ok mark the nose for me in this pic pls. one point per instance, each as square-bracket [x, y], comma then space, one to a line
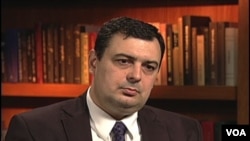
[134, 74]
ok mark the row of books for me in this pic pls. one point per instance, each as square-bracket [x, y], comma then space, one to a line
[199, 51]
[48, 53]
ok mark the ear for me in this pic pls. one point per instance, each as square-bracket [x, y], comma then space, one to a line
[92, 61]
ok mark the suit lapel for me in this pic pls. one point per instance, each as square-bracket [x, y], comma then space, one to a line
[75, 119]
[151, 128]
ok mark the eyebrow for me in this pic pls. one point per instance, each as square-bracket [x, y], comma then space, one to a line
[133, 58]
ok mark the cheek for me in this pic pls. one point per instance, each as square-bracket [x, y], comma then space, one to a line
[111, 74]
[149, 82]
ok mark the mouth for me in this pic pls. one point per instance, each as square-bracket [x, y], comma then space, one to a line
[130, 91]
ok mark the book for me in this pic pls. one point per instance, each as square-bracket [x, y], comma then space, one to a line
[221, 50]
[186, 23]
[77, 54]
[200, 59]
[69, 53]
[61, 59]
[213, 43]
[202, 56]
[180, 55]
[3, 57]
[169, 53]
[84, 47]
[176, 57]
[12, 40]
[56, 53]
[49, 44]
[194, 55]
[32, 74]
[231, 57]
[208, 130]
[23, 57]
[44, 52]
[39, 52]
[88, 34]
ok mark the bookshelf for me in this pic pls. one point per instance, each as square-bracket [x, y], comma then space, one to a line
[207, 102]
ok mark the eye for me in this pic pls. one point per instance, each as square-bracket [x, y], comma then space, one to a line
[150, 68]
[123, 62]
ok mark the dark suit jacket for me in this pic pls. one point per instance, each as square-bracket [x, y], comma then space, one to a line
[69, 121]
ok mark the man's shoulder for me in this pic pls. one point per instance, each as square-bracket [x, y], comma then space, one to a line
[169, 117]
[51, 109]
[177, 126]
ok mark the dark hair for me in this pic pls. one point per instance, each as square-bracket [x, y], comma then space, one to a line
[128, 27]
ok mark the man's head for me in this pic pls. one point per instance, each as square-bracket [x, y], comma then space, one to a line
[128, 27]
[125, 63]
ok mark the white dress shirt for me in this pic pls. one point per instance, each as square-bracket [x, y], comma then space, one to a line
[102, 123]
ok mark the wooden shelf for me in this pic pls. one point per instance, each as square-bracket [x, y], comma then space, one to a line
[194, 92]
[42, 90]
[159, 92]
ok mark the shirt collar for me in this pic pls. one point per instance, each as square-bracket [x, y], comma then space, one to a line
[102, 123]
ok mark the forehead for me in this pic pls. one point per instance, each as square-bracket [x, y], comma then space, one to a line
[135, 47]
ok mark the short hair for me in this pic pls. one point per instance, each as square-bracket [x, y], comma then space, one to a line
[130, 28]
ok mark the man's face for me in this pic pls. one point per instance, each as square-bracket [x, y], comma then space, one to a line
[125, 75]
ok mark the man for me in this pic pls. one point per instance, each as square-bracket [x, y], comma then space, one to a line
[125, 62]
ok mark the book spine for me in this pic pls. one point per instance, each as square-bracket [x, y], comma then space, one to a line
[231, 50]
[213, 53]
[61, 41]
[24, 56]
[176, 50]
[20, 58]
[221, 53]
[39, 53]
[187, 62]
[77, 55]
[207, 62]
[50, 53]
[181, 51]
[169, 52]
[56, 53]
[69, 53]
[3, 57]
[12, 39]
[200, 60]
[221, 50]
[84, 43]
[208, 130]
[29, 55]
[194, 55]
[33, 57]
[44, 52]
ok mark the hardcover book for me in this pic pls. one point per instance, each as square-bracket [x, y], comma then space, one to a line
[12, 42]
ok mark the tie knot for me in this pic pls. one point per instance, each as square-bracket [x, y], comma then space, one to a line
[119, 130]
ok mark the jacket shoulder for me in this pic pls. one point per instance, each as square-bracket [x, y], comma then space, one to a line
[178, 126]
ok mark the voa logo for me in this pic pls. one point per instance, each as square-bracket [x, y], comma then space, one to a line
[236, 132]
